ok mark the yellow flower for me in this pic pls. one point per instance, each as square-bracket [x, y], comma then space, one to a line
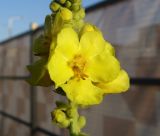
[86, 68]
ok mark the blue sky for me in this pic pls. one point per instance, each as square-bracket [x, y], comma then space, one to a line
[29, 10]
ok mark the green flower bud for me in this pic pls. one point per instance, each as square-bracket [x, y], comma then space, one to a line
[76, 16]
[82, 13]
[72, 112]
[62, 1]
[65, 123]
[75, 7]
[66, 14]
[60, 118]
[79, 24]
[68, 4]
[81, 121]
[54, 6]
[87, 28]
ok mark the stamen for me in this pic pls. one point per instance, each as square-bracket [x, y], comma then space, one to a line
[78, 64]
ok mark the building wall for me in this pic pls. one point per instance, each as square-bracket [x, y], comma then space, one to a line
[133, 27]
[14, 93]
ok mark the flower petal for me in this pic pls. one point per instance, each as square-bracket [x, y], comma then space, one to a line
[67, 42]
[58, 68]
[120, 84]
[83, 92]
[91, 44]
[109, 48]
[103, 67]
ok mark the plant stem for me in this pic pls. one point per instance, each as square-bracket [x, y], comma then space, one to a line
[74, 127]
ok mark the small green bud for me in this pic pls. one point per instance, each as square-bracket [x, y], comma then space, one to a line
[79, 24]
[68, 4]
[65, 123]
[66, 14]
[62, 1]
[87, 28]
[60, 118]
[54, 6]
[72, 112]
[82, 13]
[81, 121]
[76, 16]
[75, 7]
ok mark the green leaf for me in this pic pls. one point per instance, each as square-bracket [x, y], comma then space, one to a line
[61, 105]
[58, 24]
[48, 26]
[39, 73]
[41, 46]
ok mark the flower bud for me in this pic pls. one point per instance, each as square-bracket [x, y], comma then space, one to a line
[68, 4]
[82, 13]
[60, 118]
[75, 7]
[87, 28]
[66, 14]
[76, 16]
[62, 1]
[80, 23]
[54, 6]
[65, 123]
[81, 121]
[71, 112]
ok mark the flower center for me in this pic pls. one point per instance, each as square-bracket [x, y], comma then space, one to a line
[78, 64]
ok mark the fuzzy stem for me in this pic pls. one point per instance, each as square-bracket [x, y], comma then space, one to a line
[74, 127]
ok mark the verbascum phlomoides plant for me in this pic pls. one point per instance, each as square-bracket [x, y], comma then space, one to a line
[77, 61]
